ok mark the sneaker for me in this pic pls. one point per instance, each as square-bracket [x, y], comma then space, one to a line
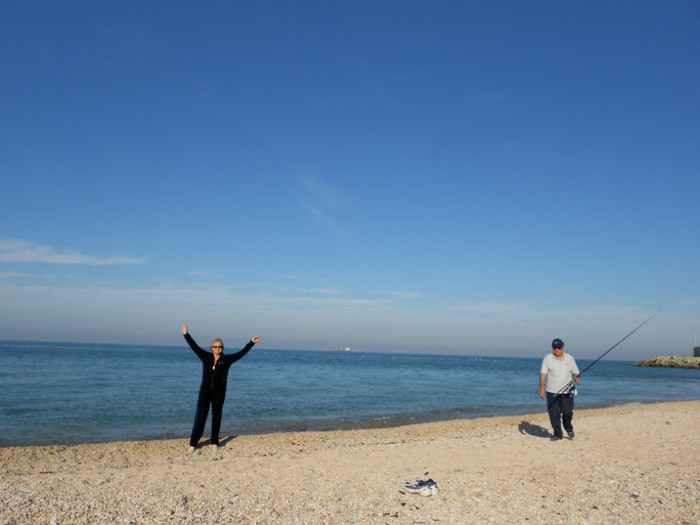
[215, 448]
[571, 434]
[191, 450]
[416, 484]
[423, 487]
[556, 438]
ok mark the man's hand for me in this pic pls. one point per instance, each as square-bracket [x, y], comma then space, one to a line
[184, 329]
[256, 339]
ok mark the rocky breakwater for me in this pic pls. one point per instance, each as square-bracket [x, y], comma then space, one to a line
[671, 362]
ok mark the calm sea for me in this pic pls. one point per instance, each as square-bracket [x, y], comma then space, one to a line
[60, 393]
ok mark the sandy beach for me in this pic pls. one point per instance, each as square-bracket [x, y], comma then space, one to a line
[637, 464]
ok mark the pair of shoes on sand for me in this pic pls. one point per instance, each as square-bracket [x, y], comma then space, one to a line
[422, 487]
[558, 438]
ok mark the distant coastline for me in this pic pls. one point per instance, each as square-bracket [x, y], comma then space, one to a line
[671, 362]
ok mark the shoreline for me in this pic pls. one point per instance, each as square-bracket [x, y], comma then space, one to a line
[400, 422]
[627, 464]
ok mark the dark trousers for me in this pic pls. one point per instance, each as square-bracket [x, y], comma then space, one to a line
[561, 410]
[216, 400]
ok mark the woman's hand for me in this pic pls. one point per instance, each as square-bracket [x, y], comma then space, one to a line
[184, 329]
[256, 339]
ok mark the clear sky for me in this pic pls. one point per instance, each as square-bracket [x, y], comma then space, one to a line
[437, 177]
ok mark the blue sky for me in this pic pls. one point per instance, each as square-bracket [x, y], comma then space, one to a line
[448, 177]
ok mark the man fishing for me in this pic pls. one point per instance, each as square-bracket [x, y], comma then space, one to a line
[559, 371]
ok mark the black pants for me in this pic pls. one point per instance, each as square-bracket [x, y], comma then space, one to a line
[561, 410]
[216, 400]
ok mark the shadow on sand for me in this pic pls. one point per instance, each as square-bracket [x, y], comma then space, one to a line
[222, 441]
[533, 430]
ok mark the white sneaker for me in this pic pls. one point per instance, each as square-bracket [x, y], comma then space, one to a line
[215, 448]
[191, 450]
[423, 487]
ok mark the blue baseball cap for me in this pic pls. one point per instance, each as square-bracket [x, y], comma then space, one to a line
[557, 343]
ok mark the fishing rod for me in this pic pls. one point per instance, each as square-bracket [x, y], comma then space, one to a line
[570, 387]
[620, 341]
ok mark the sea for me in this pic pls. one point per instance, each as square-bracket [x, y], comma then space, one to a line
[75, 393]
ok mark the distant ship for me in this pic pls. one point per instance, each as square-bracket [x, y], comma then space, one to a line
[339, 349]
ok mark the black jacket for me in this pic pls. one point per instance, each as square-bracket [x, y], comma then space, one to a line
[214, 377]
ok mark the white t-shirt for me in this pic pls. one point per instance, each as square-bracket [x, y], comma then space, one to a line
[559, 372]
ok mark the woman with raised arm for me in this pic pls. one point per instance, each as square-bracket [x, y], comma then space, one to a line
[215, 366]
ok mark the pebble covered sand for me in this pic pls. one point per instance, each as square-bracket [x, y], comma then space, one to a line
[637, 464]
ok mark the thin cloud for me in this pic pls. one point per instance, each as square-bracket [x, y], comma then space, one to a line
[324, 219]
[331, 291]
[403, 295]
[321, 200]
[13, 251]
[208, 275]
[103, 313]
[322, 192]
[18, 274]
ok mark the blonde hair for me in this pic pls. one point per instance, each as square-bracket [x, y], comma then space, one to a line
[215, 341]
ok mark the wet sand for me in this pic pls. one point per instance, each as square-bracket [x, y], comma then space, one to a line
[637, 464]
